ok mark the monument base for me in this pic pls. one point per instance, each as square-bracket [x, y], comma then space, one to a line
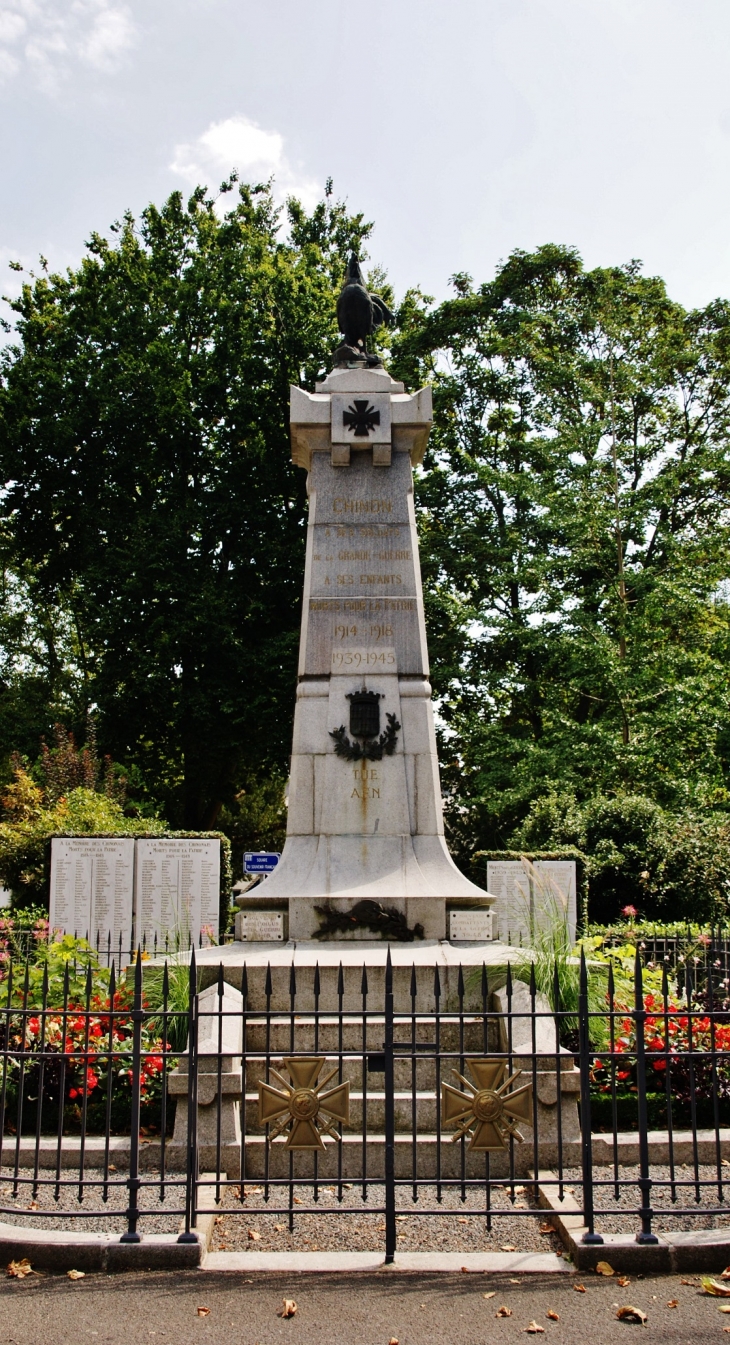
[346, 964]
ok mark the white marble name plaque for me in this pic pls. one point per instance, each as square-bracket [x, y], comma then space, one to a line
[92, 888]
[262, 927]
[177, 891]
[470, 926]
[532, 897]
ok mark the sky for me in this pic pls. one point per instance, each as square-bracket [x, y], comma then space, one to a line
[462, 128]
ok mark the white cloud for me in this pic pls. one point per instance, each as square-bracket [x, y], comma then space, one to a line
[112, 33]
[256, 154]
[12, 26]
[49, 38]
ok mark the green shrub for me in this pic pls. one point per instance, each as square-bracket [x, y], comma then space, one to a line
[31, 821]
[670, 866]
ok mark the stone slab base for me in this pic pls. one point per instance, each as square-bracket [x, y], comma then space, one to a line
[425, 955]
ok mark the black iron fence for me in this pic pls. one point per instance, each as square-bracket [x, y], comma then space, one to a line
[398, 1089]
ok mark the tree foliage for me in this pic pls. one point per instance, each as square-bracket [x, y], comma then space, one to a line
[574, 523]
[152, 523]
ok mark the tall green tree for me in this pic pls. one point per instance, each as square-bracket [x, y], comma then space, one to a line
[149, 496]
[574, 513]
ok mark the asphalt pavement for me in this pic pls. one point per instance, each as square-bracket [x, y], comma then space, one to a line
[154, 1309]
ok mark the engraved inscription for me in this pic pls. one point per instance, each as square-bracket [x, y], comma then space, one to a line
[342, 505]
[353, 660]
[365, 787]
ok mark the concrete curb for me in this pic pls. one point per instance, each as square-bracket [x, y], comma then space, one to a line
[47, 1250]
[707, 1250]
[422, 1263]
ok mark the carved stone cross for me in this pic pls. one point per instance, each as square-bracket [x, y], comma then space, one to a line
[361, 418]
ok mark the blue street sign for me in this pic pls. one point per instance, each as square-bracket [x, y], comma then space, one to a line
[259, 861]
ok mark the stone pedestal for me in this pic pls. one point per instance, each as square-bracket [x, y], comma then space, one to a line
[220, 1039]
[365, 855]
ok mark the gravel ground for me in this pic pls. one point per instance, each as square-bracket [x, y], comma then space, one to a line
[68, 1202]
[362, 1231]
[515, 1225]
[604, 1198]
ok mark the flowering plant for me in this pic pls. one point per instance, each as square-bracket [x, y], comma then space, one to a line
[94, 1047]
[71, 1031]
[680, 1042]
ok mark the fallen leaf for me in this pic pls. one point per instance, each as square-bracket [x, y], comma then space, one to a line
[203, 1312]
[534, 1330]
[723, 1307]
[288, 1308]
[687, 1281]
[631, 1314]
[465, 1270]
[298, 1200]
[514, 1281]
[726, 1273]
[726, 1329]
[112, 1168]
[492, 1294]
[603, 1268]
[623, 1280]
[503, 1312]
[393, 1341]
[459, 1221]
[554, 1316]
[508, 1247]
[673, 1303]
[280, 1228]
[546, 1228]
[579, 1288]
[714, 1287]
[19, 1269]
[254, 1235]
[76, 1274]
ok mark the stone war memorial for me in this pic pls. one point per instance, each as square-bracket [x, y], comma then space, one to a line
[365, 874]
[365, 864]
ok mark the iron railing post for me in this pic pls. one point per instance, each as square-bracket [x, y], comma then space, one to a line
[390, 1227]
[586, 1139]
[645, 1213]
[133, 1181]
[191, 1165]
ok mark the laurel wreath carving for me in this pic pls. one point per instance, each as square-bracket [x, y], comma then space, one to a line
[367, 751]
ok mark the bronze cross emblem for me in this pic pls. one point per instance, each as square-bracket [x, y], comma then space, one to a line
[361, 418]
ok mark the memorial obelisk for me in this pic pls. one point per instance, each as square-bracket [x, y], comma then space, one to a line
[365, 855]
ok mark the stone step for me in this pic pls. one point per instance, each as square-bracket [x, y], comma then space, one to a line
[426, 1111]
[278, 959]
[354, 1153]
[352, 1070]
